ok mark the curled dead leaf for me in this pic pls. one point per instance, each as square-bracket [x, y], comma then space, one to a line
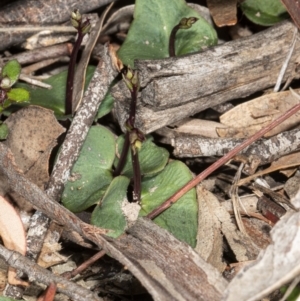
[13, 235]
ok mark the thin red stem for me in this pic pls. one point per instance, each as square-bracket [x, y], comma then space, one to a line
[71, 74]
[175, 197]
[137, 177]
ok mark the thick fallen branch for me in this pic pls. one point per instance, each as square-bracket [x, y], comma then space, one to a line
[175, 88]
[267, 150]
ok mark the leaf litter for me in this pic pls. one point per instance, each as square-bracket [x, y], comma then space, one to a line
[33, 133]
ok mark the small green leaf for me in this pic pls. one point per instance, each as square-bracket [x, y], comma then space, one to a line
[91, 173]
[12, 70]
[181, 219]
[53, 99]
[105, 106]
[3, 131]
[148, 36]
[294, 295]
[109, 213]
[266, 12]
[18, 95]
[151, 157]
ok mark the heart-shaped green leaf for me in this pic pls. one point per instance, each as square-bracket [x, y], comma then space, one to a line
[266, 12]
[53, 99]
[91, 173]
[3, 131]
[181, 218]
[152, 158]
[18, 95]
[105, 106]
[12, 70]
[148, 36]
[109, 212]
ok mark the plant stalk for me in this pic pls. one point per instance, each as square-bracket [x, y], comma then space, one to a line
[185, 23]
[137, 177]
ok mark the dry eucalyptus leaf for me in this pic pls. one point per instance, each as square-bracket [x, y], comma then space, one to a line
[12, 234]
[32, 135]
[205, 128]
[246, 119]
[275, 266]
[209, 238]
[223, 12]
[241, 245]
[49, 255]
[258, 230]
[31, 131]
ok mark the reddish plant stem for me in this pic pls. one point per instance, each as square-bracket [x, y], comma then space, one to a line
[137, 177]
[71, 74]
[175, 197]
[131, 119]
[172, 40]
[83, 266]
[129, 125]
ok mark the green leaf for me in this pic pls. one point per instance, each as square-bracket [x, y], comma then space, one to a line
[91, 173]
[266, 12]
[151, 157]
[3, 131]
[53, 99]
[18, 95]
[181, 218]
[105, 106]
[148, 36]
[294, 295]
[12, 70]
[109, 214]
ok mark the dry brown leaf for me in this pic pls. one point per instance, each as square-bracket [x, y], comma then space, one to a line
[223, 12]
[246, 119]
[12, 234]
[200, 127]
[209, 238]
[284, 162]
[258, 230]
[32, 135]
[276, 266]
[49, 255]
[241, 245]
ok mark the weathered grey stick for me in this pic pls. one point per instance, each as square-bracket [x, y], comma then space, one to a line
[41, 275]
[267, 150]
[175, 88]
[69, 153]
